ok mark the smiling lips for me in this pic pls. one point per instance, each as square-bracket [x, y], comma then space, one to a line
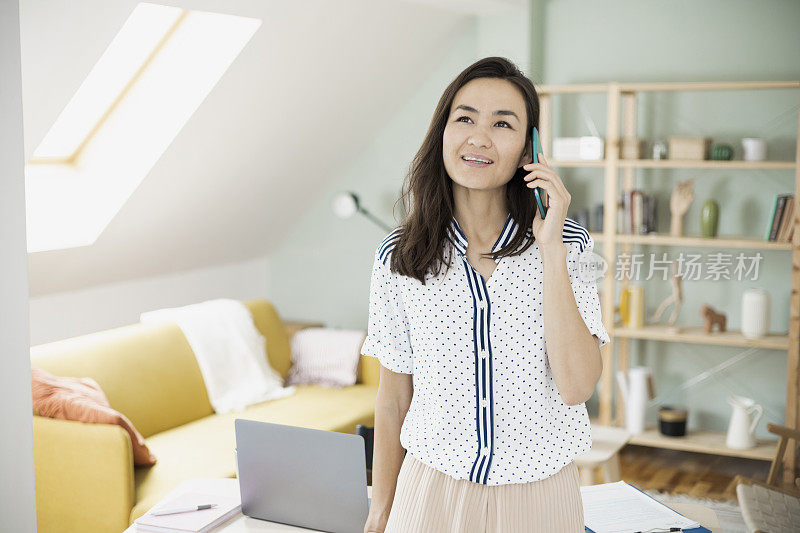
[475, 160]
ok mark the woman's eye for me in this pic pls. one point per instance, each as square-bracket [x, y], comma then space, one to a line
[501, 122]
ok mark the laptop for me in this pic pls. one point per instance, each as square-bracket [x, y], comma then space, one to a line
[302, 477]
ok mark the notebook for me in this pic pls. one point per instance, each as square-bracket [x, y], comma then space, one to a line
[622, 508]
[193, 521]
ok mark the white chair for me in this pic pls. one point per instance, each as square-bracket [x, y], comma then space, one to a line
[607, 441]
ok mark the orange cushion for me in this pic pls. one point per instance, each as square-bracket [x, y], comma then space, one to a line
[83, 400]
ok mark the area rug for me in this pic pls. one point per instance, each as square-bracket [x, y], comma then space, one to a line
[728, 513]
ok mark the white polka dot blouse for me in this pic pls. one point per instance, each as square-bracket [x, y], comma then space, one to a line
[485, 406]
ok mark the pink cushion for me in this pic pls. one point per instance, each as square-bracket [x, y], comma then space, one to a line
[83, 400]
[325, 356]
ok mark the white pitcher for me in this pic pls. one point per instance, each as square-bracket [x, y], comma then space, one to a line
[741, 431]
[637, 389]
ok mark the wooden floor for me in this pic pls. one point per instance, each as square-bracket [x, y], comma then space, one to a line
[679, 472]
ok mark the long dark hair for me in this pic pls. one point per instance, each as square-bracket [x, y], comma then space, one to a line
[427, 192]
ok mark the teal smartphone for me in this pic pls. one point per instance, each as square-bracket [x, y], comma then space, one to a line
[539, 193]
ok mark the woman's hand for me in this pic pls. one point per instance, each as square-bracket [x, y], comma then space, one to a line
[548, 231]
[375, 524]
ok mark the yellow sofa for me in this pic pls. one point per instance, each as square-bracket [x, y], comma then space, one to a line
[85, 477]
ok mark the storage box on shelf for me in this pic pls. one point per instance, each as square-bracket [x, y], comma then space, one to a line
[689, 148]
[621, 123]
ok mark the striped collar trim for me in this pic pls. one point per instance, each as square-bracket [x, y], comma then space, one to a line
[506, 234]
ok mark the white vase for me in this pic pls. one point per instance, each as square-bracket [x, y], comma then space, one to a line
[755, 149]
[755, 313]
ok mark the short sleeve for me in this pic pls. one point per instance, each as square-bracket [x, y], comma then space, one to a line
[387, 331]
[585, 288]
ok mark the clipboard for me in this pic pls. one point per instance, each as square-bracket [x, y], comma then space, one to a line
[699, 529]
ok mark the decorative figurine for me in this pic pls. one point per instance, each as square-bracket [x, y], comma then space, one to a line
[712, 318]
[675, 298]
[660, 150]
[682, 196]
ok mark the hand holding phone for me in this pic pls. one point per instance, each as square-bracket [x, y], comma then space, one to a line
[538, 192]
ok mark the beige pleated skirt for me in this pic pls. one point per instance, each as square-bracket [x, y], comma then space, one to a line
[429, 501]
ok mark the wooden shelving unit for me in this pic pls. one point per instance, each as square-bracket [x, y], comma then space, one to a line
[696, 335]
[622, 97]
[702, 441]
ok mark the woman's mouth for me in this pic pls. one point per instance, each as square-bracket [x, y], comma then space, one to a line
[474, 160]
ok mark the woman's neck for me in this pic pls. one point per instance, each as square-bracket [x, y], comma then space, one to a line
[482, 222]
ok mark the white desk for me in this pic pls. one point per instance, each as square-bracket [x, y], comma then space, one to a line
[241, 523]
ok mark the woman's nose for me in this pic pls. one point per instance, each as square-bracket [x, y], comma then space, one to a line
[480, 140]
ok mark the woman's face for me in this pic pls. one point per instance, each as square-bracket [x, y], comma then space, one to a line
[488, 121]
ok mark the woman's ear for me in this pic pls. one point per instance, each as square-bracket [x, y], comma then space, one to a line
[527, 156]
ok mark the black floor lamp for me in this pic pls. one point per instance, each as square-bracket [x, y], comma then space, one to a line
[346, 204]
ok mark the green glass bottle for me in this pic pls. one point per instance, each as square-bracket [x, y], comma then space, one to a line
[709, 217]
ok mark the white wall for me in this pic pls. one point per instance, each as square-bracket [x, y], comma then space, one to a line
[68, 314]
[17, 496]
[321, 270]
[262, 146]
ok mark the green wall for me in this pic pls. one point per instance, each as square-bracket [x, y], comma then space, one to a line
[322, 269]
[691, 41]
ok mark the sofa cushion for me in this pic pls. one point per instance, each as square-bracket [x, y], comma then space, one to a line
[205, 447]
[82, 400]
[325, 356]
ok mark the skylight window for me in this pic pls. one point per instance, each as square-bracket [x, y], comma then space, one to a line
[139, 39]
[152, 77]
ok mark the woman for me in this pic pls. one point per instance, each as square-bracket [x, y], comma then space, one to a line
[486, 365]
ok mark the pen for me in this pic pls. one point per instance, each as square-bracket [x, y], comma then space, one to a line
[185, 509]
[660, 529]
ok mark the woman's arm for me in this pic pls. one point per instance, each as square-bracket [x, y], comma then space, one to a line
[573, 352]
[395, 391]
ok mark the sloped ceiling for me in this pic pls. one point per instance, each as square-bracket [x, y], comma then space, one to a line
[315, 83]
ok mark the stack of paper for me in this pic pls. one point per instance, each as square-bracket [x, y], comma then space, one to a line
[622, 508]
[192, 521]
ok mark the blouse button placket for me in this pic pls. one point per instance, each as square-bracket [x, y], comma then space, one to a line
[480, 294]
[482, 304]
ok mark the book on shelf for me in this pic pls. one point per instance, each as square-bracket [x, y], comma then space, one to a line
[192, 521]
[785, 229]
[637, 213]
[781, 227]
